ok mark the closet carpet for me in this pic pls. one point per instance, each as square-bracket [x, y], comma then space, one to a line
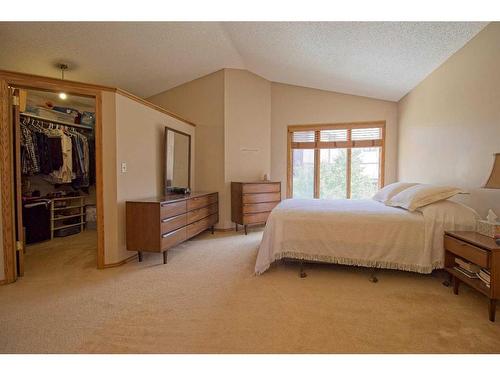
[207, 300]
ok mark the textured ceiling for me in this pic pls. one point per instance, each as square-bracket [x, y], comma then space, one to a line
[377, 59]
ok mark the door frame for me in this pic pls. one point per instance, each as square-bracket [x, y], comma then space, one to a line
[24, 81]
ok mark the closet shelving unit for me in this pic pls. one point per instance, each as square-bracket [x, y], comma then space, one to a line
[57, 207]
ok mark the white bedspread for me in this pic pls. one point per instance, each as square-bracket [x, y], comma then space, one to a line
[360, 232]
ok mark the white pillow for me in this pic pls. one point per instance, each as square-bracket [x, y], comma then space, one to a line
[387, 192]
[421, 195]
[453, 215]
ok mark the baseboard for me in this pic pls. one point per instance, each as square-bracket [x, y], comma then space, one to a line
[121, 262]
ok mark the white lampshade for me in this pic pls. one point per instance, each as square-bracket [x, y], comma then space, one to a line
[494, 180]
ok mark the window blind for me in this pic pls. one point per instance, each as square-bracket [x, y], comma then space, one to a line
[304, 136]
[337, 136]
[333, 135]
[365, 134]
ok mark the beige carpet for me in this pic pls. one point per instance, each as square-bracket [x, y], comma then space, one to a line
[207, 300]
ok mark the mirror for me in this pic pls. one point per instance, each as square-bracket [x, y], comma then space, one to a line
[177, 159]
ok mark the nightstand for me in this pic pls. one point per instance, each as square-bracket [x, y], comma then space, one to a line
[478, 249]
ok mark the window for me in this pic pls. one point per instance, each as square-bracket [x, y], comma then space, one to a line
[335, 161]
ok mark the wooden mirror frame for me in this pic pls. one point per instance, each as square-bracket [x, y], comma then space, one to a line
[165, 157]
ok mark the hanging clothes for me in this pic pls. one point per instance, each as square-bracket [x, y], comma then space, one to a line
[64, 174]
[60, 153]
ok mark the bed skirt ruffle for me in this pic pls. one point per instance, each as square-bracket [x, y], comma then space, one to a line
[426, 269]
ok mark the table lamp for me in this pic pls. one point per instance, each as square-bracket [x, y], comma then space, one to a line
[494, 180]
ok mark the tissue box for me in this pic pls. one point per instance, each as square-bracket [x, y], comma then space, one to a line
[488, 229]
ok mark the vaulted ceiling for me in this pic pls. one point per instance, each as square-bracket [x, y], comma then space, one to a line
[383, 60]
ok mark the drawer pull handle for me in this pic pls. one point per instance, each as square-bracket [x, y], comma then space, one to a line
[170, 218]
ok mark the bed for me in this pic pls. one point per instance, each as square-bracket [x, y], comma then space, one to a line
[361, 232]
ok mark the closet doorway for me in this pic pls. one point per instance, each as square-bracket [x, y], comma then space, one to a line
[56, 179]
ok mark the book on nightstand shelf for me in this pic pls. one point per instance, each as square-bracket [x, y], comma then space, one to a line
[469, 267]
[470, 275]
[485, 276]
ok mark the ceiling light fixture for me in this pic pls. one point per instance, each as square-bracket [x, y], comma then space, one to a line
[63, 67]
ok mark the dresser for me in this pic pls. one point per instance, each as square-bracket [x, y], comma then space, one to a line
[252, 202]
[158, 224]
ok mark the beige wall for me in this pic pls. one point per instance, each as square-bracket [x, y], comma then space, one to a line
[202, 102]
[231, 109]
[450, 123]
[294, 105]
[247, 129]
[109, 166]
[139, 143]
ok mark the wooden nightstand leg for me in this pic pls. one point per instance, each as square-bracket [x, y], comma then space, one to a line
[246, 229]
[165, 257]
[456, 283]
[236, 227]
[139, 255]
[493, 309]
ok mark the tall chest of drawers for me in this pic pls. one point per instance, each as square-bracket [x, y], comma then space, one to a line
[158, 224]
[252, 202]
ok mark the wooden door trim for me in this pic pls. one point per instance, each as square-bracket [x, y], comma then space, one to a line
[6, 184]
[99, 175]
[18, 204]
[6, 161]
[23, 80]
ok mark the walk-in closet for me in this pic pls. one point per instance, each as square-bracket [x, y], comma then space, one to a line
[55, 179]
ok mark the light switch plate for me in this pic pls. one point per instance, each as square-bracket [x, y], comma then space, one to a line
[124, 167]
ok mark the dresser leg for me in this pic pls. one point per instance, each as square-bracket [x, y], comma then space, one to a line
[456, 283]
[493, 309]
[246, 229]
[213, 229]
[165, 257]
[236, 227]
[139, 255]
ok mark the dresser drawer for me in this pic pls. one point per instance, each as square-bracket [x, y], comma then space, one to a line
[203, 201]
[467, 251]
[172, 209]
[261, 188]
[261, 198]
[172, 223]
[201, 213]
[173, 238]
[258, 207]
[255, 218]
[200, 225]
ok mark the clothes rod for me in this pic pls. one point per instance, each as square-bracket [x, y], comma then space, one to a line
[57, 121]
